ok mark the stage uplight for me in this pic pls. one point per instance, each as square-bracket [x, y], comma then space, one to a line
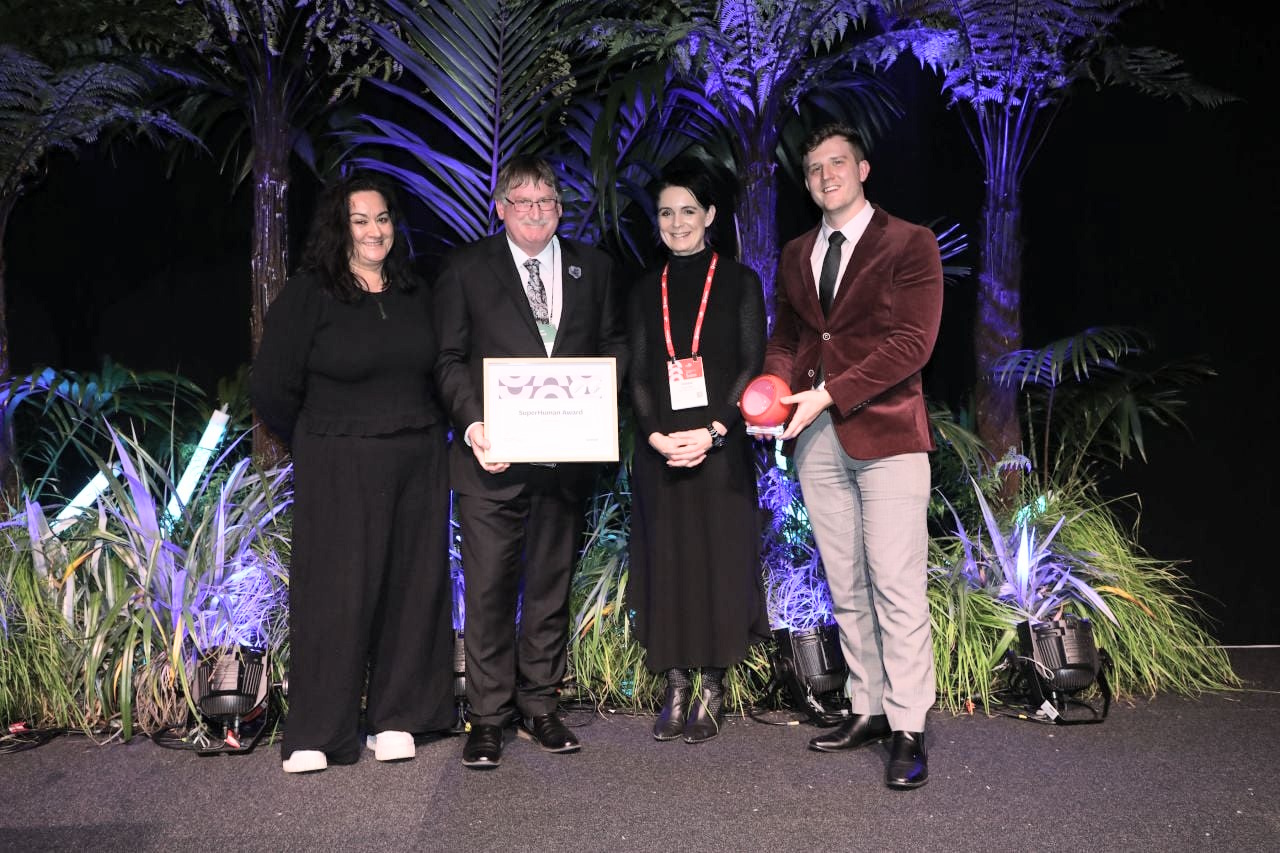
[234, 696]
[809, 672]
[1059, 659]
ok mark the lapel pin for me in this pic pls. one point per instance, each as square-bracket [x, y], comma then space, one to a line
[575, 271]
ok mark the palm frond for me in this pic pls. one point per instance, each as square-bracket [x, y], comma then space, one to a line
[1096, 348]
[485, 72]
[62, 418]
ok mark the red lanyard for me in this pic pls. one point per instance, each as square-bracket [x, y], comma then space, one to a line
[702, 309]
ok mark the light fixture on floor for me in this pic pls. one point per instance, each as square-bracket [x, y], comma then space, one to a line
[233, 695]
[809, 670]
[1059, 660]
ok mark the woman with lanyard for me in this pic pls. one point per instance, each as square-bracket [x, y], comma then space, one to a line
[697, 337]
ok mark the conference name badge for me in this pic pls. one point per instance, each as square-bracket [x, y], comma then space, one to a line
[688, 385]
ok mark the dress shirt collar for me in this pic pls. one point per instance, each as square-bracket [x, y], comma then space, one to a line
[546, 258]
[852, 230]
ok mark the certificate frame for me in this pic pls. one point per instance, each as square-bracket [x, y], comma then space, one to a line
[551, 409]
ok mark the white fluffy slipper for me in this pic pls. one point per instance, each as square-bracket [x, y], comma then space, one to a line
[391, 746]
[305, 761]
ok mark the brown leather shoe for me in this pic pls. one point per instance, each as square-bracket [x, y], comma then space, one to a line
[858, 730]
[549, 732]
[908, 764]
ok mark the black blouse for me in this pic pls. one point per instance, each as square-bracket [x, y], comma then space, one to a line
[333, 368]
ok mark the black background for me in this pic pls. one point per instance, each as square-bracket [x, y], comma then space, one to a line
[1137, 211]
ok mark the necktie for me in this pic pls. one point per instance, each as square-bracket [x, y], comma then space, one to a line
[830, 271]
[537, 293]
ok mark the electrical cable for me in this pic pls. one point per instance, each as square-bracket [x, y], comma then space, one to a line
[20, 739]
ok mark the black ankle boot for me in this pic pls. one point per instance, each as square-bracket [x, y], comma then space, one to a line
[708, 709]
[675, 706]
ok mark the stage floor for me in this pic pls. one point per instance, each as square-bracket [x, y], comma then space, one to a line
[1171, 773]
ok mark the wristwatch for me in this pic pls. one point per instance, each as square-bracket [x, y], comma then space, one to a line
[717, 437]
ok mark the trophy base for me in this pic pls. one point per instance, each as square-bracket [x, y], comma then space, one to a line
[766, 431]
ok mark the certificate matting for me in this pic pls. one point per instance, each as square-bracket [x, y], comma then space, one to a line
[551, 409]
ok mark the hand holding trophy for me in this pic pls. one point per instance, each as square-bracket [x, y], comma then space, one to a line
[761, 406]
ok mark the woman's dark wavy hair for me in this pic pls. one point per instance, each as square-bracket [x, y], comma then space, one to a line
[328, 249]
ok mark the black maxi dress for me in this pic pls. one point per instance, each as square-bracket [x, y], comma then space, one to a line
[349, 386]
[695, 581]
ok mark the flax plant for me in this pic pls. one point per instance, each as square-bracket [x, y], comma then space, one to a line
[971, 632]
[134, 593]
[1063, 552]
[102, 619]
[1159, 637]
[607, 662]
[60, 419]
[34, 639]
[234, 580]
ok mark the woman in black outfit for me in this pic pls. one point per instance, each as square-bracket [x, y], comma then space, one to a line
[695, 583]
[343, 374]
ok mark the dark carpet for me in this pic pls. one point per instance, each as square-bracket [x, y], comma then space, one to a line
[1169, 773]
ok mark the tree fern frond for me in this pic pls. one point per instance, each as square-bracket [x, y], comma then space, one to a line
[43, 110]
[1160, 74]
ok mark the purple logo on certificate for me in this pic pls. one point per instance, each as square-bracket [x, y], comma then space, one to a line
[556, 387]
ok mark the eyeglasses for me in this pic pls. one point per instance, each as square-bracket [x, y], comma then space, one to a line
[524, 205]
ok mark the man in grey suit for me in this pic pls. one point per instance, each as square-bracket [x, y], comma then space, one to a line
[859, 303]
[519, 294]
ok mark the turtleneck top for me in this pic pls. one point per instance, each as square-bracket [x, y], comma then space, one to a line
[731, 347]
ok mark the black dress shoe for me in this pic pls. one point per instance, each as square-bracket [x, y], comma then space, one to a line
[858, 730]
[675, 710]
[550, 733]
[705, 723]
[908, 764]
[484, 746]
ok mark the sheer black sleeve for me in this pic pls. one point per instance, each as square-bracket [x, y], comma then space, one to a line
[751, 344]
[644, 402]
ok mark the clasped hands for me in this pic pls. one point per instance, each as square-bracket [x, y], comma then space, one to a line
[685, 448]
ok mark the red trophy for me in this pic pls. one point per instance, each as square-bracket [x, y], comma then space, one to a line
[761, 405]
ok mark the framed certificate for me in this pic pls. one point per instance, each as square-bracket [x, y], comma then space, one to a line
[551, 409]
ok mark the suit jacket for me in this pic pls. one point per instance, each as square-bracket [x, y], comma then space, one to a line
[482, 311]
[878, 336]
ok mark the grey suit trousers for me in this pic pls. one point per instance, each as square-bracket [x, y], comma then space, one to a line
[869, 521]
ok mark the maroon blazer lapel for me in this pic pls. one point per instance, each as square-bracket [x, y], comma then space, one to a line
[808, 301]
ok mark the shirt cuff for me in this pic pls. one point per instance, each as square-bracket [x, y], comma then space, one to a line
[466, 433]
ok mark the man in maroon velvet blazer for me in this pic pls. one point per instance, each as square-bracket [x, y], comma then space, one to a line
[852, 343]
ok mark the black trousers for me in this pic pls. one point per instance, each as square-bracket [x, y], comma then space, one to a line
[370, 599]
[517, 554]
